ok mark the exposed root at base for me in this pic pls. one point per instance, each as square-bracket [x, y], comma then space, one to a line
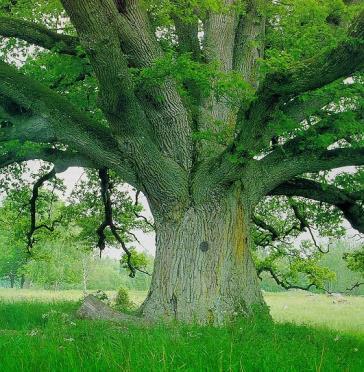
[94, 309]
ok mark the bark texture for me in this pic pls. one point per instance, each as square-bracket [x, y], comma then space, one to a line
[203, 268]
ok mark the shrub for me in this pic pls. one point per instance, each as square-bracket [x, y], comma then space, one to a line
[102, 296]
[122, 300]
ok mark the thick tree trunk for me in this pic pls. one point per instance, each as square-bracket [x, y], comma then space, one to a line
[203, 268]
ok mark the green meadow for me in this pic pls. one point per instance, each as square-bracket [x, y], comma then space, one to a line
[309, 333]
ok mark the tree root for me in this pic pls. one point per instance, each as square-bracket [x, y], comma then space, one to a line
[94, 309]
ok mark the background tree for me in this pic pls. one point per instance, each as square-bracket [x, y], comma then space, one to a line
[355, 262]
[207, 107]
[43, 240]
[12, 259]
[19, 231]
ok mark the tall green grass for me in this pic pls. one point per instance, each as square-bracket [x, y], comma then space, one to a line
[47, 337]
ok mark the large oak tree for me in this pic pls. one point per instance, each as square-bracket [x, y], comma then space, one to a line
[207, 107]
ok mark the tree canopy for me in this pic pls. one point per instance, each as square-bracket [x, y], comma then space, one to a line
[191, 101]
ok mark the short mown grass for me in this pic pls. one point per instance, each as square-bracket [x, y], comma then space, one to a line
[40, 336]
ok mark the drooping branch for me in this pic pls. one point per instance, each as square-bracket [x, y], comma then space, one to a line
[283, 282]
[38, 35]
[272, 234]
[356, 285]
[109, 222]
[33, 209]
[304, 225]
[137, 215]
[348, 203]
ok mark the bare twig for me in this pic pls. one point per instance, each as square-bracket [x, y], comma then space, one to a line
[356, 285]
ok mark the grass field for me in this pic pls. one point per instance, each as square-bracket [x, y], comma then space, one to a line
[296, 307]
[38, 332]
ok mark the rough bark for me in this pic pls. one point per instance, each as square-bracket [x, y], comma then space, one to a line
[249, 43]
[203, 268]
[216, 115]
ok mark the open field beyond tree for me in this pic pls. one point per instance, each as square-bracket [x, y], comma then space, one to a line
[338, 313]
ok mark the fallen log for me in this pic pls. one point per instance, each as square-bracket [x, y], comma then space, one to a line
[94, 309]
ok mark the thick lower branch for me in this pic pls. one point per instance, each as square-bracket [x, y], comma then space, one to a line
[348, 203]
[283, 165]
[60, 159]
[38, 35]
[35, 113]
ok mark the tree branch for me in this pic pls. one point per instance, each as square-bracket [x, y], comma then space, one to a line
[162, 102]
[281, 282]
[33, 208]
[137, 215]
[129, 41]
[356, 285]
[348, 203]
[280, 88]
[38, 35]
[60, 159]
[109, 222]
[263, 225]
[94, 21]
[97, 23]
[30, 111]
[187, 33]
[303, 155]
[249, 43]
[219, 35]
